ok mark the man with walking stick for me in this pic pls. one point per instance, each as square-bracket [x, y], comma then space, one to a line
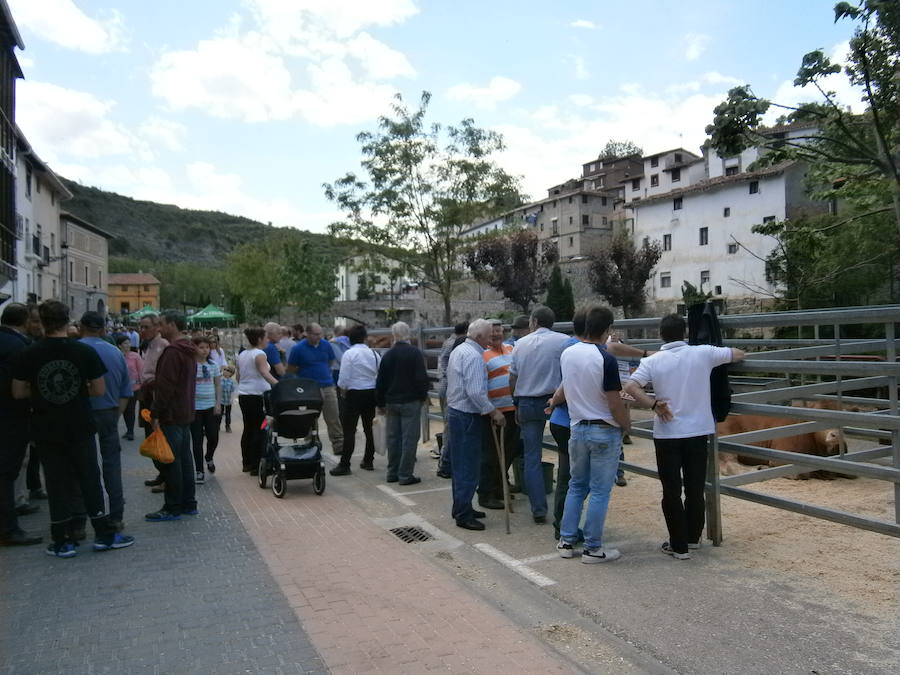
[467, 402]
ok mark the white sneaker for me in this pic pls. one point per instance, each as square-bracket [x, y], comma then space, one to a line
[201, 478]
[600, 555]
[693, 547]
[435, 454]
[565, 550]
[668, 550]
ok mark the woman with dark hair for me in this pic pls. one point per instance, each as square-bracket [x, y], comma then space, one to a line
[207, 408]
[254, 378]
[135, 367]
[359, 368]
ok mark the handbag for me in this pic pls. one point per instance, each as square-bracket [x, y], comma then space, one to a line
[156, 446]
[379, 434]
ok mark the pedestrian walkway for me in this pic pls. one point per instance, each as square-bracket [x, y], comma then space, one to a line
[192, 596]
[369, 603]
[252, 584]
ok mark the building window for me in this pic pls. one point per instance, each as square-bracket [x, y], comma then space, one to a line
[126, 306]
[677, 203]
[605, 220]
[554, 201]
[53, 243]
[554, 225]
[732, 249]
[53, 284]
[72, 302]
[678, 158]
[731, 170]
[542, 208]
[584, 199]
[676, 175]
[654, 180]
[726, 212]
[37, 184]
[571, 242]
[754, 187]
[99, 278]
[72, 275]
[718, 290]
[570, 220]
[28, 182]
[667, 242]
[86, 275]
[594, 166]
[542, 227]
[635, 184]
[704, 236]
[602, 201]
[704, 277]
[665, 280]
[585, 220]
[600, 182]
[769, 219]
[654, 161]
[570, 200]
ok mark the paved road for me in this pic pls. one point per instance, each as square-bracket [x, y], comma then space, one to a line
[193, 596]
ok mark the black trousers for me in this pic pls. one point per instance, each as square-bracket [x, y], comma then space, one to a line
[358, 404]
[128, 415]
[682, 462]
[253, 439]
[561, 435]
[205, 425]
[226, 413]
[72, 474]
[490, 479]
[13, 444]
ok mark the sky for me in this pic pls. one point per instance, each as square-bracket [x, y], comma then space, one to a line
[249, 106]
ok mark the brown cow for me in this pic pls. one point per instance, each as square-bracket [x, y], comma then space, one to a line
[823, 443]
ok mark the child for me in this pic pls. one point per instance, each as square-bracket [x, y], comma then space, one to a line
[135, 367]
[227, 396]
[207, 409]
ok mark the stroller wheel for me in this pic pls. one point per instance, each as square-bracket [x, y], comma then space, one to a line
[279, 483]
[263, 473]
[319, 481]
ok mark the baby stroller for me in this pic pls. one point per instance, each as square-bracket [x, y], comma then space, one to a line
[292, 413]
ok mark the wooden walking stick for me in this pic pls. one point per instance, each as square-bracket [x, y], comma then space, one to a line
[500, 446]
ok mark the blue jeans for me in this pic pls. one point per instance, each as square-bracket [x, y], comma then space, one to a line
[180, 478]
[594, 456]
[532, 419]
[465, 457]
[403, 428]
[107, 424]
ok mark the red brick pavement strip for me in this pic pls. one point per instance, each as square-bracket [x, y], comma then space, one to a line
[377, 607]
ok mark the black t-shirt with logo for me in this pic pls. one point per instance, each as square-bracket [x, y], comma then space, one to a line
[58, 370]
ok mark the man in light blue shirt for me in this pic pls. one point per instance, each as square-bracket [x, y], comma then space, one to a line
[534, 377]
[107, 409]
[467, 402]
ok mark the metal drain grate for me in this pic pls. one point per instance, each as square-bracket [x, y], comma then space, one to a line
[411, 534]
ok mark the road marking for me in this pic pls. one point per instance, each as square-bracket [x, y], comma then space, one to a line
[419, 492]
[539, 558]
[396, 495]
[517, 566]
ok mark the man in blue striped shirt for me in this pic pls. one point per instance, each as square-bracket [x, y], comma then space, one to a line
[467, 402]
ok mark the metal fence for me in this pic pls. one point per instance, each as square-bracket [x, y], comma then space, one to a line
[775, 373]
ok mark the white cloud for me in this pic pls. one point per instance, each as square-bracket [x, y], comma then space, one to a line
[694, 45]
[715, 77]
[578, 65]
[497, 90]
[26, 62]
[712, 78]
[59, 121]
[581, 99]
[63, 23]
[583, 23]
[298, 58]
[166, 133]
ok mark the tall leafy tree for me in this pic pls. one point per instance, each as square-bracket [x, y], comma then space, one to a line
[517, 264]
[620, 273]
[567, 311]
[424, 184]
[619, 149]
[555, 292]
[853, 158]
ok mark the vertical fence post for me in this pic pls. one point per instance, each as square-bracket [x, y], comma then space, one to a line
[840, 400]
[426, 422]
[713, 496]
[891, 354]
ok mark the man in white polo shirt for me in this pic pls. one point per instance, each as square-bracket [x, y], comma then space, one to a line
[680, 376]
[590, 387]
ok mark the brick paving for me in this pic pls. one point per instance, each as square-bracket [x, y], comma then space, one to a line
[193, 596]
[369, 603]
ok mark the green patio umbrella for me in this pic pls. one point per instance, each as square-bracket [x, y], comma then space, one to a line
[139, 314]
[210, 315]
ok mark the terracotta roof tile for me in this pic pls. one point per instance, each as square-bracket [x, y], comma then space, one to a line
[136, 278]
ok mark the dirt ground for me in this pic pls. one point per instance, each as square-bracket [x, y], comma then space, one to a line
[861, 569]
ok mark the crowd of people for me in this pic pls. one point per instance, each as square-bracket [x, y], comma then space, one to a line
[62, 395]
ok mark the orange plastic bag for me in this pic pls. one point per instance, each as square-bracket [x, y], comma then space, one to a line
[155, 446]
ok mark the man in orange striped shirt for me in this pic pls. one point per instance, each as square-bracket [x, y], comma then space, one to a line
[497, 358]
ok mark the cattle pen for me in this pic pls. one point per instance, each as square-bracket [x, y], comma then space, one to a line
[856, 378]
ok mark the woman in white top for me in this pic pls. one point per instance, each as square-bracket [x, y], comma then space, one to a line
[253, 378]
[216, 353]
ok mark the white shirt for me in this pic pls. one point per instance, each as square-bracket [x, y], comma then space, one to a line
[535, 362]
[467, 380]
[217, 356]
[680, 376]
[252, 383]
[359, 368]
[587, 374]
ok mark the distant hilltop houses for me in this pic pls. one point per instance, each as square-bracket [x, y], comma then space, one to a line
[700, 207]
